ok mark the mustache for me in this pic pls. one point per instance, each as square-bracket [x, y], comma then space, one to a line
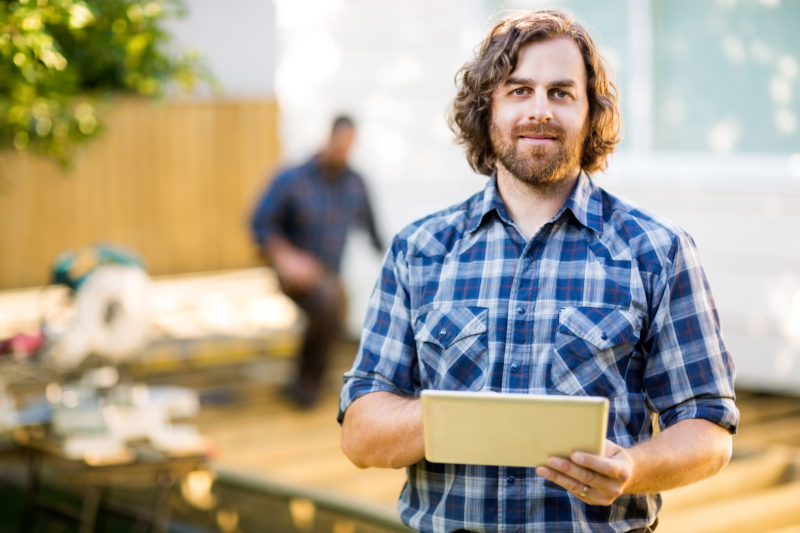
[549, 130]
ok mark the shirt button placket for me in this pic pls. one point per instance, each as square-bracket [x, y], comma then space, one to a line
[511, 488]
[516, 378]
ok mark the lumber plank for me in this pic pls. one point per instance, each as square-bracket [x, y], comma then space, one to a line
[780, 431]
[769, 509]
[745, 475]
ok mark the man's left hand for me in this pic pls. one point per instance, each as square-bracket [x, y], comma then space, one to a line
[595, 479]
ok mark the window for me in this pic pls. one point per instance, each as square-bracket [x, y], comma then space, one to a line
[717, 76]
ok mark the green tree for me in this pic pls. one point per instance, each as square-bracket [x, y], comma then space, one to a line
[59, 58]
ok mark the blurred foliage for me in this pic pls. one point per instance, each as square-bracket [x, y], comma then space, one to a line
[59, 58]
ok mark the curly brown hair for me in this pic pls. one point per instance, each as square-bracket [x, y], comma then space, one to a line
[470, 115]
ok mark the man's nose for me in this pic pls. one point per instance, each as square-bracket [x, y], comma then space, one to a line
[539, 107]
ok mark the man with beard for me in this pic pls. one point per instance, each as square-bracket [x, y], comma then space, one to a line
[543, 283]
[301, 224]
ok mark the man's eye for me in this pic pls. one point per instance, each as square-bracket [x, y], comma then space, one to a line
[561, 95]
[520, 91]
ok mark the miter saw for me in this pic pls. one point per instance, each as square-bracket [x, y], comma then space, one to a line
[93, 414]
[110, 307]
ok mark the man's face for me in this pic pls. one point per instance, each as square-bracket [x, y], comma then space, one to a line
[339, 146]
[539, 114]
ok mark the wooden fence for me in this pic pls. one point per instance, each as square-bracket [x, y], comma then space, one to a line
[173, 181]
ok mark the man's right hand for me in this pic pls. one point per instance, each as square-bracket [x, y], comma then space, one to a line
[298, 270]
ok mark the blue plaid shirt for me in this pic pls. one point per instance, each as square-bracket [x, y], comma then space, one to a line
[314, 212]
[604, 300]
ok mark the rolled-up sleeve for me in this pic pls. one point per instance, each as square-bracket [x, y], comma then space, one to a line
[386, 359]
[271, 211]
[689, 372]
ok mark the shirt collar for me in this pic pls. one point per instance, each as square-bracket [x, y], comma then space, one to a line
[584, 202]
[485, 204]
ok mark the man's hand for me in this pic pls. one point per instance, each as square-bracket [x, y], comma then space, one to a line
[595, 479]
[683, 453]
[297, 269]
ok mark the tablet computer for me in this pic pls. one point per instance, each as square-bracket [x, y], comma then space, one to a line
[510, 429]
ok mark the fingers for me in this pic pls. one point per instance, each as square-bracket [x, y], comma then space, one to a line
[601, 465]
[299, 270]
[572, 484]
[300, 274]
[598, 480]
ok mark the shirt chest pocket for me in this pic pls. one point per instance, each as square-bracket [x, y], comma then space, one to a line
[592, 350]
[452, 347]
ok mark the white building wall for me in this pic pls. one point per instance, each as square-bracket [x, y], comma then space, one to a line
[237, 39]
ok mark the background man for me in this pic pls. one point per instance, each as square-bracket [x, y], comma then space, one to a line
[542, 283]
[301, 224]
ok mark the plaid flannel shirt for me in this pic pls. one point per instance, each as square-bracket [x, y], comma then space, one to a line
[313, 212]
[605, 299]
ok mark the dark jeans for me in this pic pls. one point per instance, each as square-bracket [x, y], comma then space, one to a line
[324, 308]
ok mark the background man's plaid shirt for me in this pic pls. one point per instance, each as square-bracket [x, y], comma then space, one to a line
[605, 300]
[314, 212]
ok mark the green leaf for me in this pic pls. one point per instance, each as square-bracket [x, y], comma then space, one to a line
[59, 57]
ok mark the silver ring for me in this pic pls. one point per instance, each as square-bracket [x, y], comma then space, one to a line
[585, 491]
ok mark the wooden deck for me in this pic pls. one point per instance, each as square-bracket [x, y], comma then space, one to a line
[259, 433]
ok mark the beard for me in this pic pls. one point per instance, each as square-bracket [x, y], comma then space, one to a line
[538, 166]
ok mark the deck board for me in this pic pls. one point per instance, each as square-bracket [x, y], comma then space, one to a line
[261, 433]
